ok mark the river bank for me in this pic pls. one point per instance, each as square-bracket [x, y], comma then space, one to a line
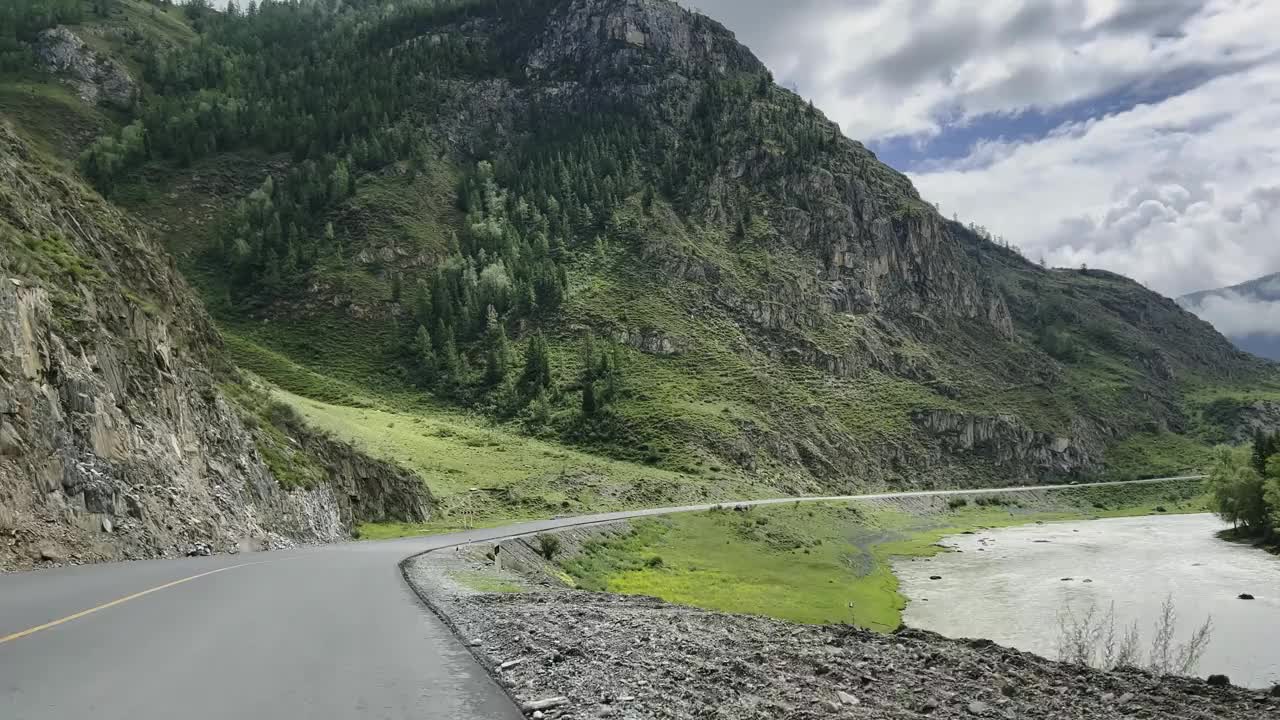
[562, 653]
[1010, 585]
[828, 562]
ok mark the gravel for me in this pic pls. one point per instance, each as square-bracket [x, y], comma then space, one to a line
[607, 656]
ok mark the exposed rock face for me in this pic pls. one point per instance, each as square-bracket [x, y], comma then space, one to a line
[872, 251]
[96, 78]
[608, 37]
[114, 439]
[1005, 441]
[1263, 415]
[366, 489]
[649, 341]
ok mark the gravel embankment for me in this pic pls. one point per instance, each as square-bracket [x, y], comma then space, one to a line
[610, 656]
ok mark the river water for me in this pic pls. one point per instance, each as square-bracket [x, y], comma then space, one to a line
[1009, 585]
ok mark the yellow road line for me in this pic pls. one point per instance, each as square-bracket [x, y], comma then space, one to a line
[125, 599]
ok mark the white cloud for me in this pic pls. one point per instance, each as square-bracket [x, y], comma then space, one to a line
[1238, 316]
[891, 68]
[1183, 194]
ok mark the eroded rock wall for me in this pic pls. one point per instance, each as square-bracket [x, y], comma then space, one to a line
[115, 441]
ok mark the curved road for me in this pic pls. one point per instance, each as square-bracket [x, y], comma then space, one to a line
[324, 633]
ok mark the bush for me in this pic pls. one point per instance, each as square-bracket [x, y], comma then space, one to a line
[957, 503]
[284, 416]
[1092, 639]
[548, 546]
[654, 562]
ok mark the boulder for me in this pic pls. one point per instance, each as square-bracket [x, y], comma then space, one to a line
[48, 552]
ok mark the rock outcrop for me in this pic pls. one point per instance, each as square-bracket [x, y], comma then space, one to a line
[1258, 416]
[97, 78]
[1006, 442]
[605, 38]
[115, 441]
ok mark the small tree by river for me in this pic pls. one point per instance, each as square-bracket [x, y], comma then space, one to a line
[1244, 488]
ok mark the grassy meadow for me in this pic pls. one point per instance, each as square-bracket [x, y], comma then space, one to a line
[828, 562]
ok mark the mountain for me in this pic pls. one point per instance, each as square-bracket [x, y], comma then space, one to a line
[558, 255]
[1248, 313]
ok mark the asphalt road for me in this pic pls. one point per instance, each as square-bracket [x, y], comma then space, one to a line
[321, 633]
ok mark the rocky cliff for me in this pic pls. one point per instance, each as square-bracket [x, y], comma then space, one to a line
[115, 440]
[869, 243]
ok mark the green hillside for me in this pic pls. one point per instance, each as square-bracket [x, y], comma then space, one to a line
[597, 232]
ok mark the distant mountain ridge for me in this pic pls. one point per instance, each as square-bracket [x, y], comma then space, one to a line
[1248, 313]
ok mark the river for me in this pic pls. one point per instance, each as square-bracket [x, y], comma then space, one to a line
[1009, 585]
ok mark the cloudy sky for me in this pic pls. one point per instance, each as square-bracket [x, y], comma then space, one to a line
[1141, 136]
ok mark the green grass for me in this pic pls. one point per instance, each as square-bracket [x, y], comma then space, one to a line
[1179, 496]
[826, 563]
[133, 24]
[289, 375]
[51, 257]
[481, 581]
[49, 114]
[1156, 455]
[482, 473]
[272, 423]
[395, 219]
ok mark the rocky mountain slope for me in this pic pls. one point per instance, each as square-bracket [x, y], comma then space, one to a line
[601, 224]
[1248, 313]
[115, 439]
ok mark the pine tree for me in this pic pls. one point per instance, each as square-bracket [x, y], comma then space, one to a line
[590, 402]
[498, 353]
[588, 357]
[426, 353]
[537, 366]
[449, 362]
[611, 371]
[422, 303]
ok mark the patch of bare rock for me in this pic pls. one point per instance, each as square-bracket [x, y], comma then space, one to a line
[589, 655]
